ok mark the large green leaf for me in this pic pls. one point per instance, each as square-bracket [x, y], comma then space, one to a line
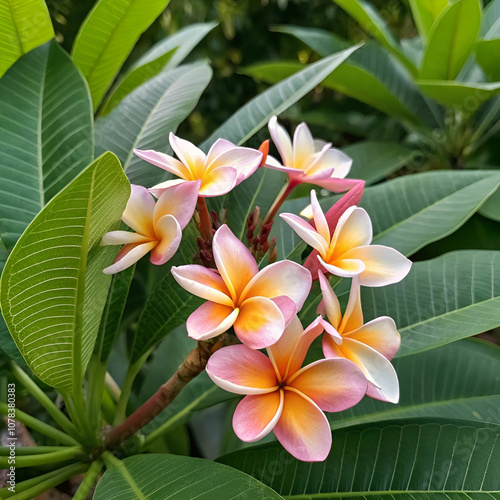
[166, 54]
[367, 64]
[46, 135]
[24, 25]
[144, 119]
[53, 289]
[257, 112]
[425, 12]
[371, 21]
[107, 37]
[487, 57]
[404, 460]
[409, 212]
[490, 22]
[459, 380]
[157, 477]
[451, 40]
[468, 97]
[491, 208]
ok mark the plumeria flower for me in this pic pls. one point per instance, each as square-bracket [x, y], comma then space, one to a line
[283, 397]
[346, 251]
[309, 160]
[158, 226]
[224, 167]
[258, 304]
[370, 346]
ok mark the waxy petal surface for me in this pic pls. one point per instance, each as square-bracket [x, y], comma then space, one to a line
[241, 370]
[138, 213]
[244, 160]
[303, 147]
[123, 238]
[169, 232]
[178, 201]
[345, 268]
[330, 302]
[320, 221]
[192, 157]
[210, 320]
[303, 429]
[219, 181]
[282, 141]
[353, 315]
[306, 232]
[354, 229]
[129, 255]
[260, 323]
[256, 416]
[165, 162]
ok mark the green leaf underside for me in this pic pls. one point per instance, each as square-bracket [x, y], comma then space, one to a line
[24, 24]
[451, 40]
[405, 460]
[459, 380]
[408, 212]
[144, 119]
[107, 37]
[157, 477]
[46, 136]
[256, 113]
[490, 21]
[53, 289]
[165, 55]
[491, 208]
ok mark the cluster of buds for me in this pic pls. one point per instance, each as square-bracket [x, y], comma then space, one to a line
[259, 243]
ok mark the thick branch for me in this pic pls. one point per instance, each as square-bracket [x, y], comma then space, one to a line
[193, 365]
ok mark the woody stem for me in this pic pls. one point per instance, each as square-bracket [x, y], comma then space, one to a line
[205, 224]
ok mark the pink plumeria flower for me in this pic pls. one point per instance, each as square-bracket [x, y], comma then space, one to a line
[224, 167]
[158, 226]
[346, 251]
[309, 160]
[258, 304]
[370, 346]
[283, 397]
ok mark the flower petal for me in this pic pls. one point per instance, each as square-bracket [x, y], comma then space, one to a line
[256, 416]
[282, 141]
[218, 147]
[158, 189]
[192, 157]
[303, 147]
[383, 265]
[337, 185]
[351, 198]
[345, 268]
[138, 213]
[244, 160]
[260, 323]
[129, 255]
[242, 370]
[287, 307]
[122, 238]
[330, 302]
[333, 334]
[219, 181]
[306, 232]
[179, 201]
[331, 349]
[354, 229]
[281, 278]
[332, 158]
[165, 162]
[376, 368]
[170, 234]
[353, 315]
[313, 265]
[380, 334]
[210, 320]
[234, 261]
[274, 164]
[320, 222]
[203, 282]
[333, 384]
[303, 429]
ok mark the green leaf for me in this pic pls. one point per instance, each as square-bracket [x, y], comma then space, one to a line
[53, 289]
[165, 55]
[24, 25]
[468, 97]
[144, 119]
[491, 208]
[459, 380]
[490, 22]
[109, 327]
[409, 212]
[425, 12]
[371, 21]
[405, 460]
[107, 37]
[168, 305]
[46, 135]
[257, 112]
[160, 476]
[368, 63]
[487, 56]
[451, 40]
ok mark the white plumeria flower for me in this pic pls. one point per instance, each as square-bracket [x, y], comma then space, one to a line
[223, 168]
[346, 251]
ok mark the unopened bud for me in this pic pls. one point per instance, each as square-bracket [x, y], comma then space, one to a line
[264, 149]
[256, 216]
[273, 251]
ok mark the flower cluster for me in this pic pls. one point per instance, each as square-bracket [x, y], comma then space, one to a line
[261, 306]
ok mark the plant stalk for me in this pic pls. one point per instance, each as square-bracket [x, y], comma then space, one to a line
[73, 452]
[280, 199]
[89, 480]
[205, 225]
